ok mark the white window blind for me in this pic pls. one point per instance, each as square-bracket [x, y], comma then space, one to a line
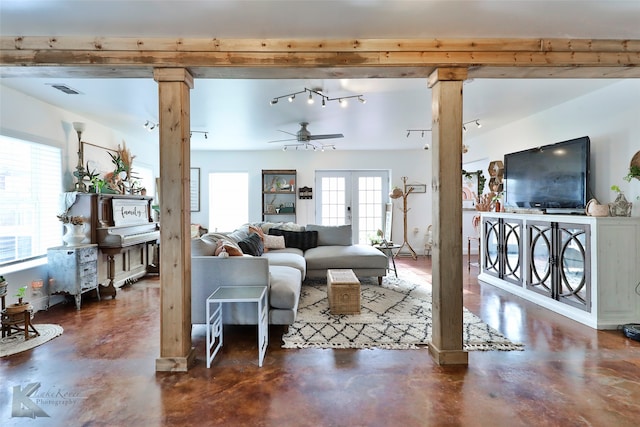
[30, 187]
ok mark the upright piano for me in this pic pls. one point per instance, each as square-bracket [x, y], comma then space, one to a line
[123, 228]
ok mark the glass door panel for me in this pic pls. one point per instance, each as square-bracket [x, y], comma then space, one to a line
[539, 271]
[491, 228]
[353, 197]
[573, 263]
[512, 268]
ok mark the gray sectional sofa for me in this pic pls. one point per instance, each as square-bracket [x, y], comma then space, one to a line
[309, 251]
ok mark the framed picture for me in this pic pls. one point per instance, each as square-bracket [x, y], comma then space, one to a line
[194, 190]
[417, 188]
[470, 189]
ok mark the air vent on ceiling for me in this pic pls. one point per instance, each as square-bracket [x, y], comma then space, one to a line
[64, 88]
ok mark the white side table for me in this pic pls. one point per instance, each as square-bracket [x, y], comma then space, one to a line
[257, 294]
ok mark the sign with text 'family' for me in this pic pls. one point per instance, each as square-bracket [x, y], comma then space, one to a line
[130, 212]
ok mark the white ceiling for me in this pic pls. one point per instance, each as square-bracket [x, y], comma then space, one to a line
[237, 113]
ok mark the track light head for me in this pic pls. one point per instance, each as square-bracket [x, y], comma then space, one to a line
[464, 128]
[310, 100]
[478, 124]
[291, 98]
[323, 103]
[362, 100]
[284, 148]
[274, 101]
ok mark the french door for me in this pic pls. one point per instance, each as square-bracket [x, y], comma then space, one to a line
[353, 197]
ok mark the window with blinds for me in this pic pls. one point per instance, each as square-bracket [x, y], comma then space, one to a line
[30, 187]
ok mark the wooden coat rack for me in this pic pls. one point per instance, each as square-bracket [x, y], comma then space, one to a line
[405, 209]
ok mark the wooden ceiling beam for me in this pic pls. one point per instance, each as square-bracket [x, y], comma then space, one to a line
[315, 45]
[229, 58]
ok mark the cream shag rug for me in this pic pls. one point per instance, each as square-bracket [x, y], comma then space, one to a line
[16, 343]
[396, 315]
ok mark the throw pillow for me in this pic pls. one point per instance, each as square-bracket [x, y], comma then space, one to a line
[257, 230]
[252, 245]
[230, 247]
[332, 235]
[273, 242]
[297, 239]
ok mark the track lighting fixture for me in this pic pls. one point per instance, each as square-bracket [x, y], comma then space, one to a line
[313, 93]
[206, 133]
[422, 131]
[309, 146]
[150, 126]
[464, 128]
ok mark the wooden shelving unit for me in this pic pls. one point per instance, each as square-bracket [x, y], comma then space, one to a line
[279, 195]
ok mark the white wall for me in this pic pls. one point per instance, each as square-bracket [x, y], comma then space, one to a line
[414, 164]
[610, 117]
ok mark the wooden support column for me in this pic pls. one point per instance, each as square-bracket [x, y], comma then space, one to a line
[176, 353]
[446, 346]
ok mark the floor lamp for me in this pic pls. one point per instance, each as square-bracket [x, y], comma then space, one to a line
[404, 193]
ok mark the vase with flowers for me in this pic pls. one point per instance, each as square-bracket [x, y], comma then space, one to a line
[74, 229]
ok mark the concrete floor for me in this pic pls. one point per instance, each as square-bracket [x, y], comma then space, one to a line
[101, 372]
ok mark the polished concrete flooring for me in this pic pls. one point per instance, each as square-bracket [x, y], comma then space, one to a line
[101, 372]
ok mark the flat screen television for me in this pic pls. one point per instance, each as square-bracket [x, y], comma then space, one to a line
[553, 177]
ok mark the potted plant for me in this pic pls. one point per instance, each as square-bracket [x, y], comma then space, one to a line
[20, 306]
[634, 172]
[3, 286]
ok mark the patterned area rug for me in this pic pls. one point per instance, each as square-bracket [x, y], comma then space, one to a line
[396, 315]
[16, 343]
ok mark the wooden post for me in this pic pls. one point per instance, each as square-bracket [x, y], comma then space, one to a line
[176, 353]
[446, 346]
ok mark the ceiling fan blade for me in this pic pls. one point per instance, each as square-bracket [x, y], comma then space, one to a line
[288, 133]
[282, 140]
[327, 136]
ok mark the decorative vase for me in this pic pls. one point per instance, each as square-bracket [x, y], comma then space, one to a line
[620, 206]
[74, 234]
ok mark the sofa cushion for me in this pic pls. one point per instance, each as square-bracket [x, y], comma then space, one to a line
[289, 257]
[332, 235]
[252, 245]
[284, 286]
[350, 257]
[302, 240]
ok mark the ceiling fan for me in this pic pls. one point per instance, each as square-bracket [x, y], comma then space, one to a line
[304, 139]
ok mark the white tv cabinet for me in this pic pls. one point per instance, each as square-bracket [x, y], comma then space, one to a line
[591, 275]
